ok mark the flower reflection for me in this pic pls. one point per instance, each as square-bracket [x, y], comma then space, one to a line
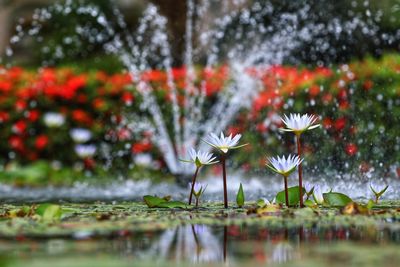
[194, 243]
[283, 252]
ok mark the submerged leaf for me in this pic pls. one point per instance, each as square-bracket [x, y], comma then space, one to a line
[240, 197]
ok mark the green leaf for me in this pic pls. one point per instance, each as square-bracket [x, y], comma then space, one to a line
[260, 203]
[49, 212]
[153, 201]
[294, 196]
[336, 199]
[309, 203]
[370, 204]
[157, 202]
[173, 205]
[240, 197]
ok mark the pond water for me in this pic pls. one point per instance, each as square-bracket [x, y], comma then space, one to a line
[212, 246]
[255, 187]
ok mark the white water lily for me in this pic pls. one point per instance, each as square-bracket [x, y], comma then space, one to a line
[80, 135]
[298, 123]
[224, 143]
[200, 158]
[284, 166]
[318, 193]
[53, 119]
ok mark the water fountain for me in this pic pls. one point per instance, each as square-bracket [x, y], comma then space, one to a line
[236, 36]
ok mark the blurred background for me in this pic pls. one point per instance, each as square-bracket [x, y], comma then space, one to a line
[64, 98]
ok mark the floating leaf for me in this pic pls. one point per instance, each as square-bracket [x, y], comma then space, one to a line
[336, 199]
[240, 197]
[153, 201]
[294, 197]
[49, 212]
[173, 205]
[156, 202]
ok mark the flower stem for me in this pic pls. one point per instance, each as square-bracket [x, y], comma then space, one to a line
[197, 202]
[193, 182]
[224, 180]
[300, 169]
[286, 191]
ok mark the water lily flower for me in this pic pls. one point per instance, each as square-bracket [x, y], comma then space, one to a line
[284, 166]
[53, 119]
[80, 135]
[298, 124]
[85, 151]
[224, 144]
[318, 194]
[199, 158]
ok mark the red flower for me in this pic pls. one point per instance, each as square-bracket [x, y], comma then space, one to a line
[20, 105]
[368, 84]
[99, 104]
[314, 90]
[327, 123]
[351, 149]
[19, 127]
[4, 116]
[81, 116]
[141, 147]
[32, 115]
[16, 143]
[340, 124]
[5, 86]
[41, 142]
[89, 163]
[127, 98]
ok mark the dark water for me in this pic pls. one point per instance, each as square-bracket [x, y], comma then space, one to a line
[201, 245]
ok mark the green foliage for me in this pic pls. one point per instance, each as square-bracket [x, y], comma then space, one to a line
[49, 212]
[240, 196]
[157, 202]
[336, 199]
[294, 196]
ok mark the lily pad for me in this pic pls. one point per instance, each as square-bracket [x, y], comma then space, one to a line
[336, 199]
[294, 196]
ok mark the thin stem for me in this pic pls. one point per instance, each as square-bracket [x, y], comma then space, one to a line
[300, 169]
[197, 202]
[193, 182]
[286, 191]
[224, 180]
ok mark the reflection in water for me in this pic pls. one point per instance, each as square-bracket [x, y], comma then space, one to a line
[195, 243]
[283, 252]
[230, 245]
